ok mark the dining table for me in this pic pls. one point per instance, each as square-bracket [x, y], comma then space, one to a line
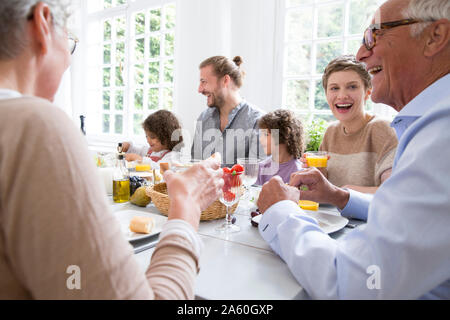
[236, 266]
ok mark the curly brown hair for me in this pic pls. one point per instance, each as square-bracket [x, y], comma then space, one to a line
[290, 128]
[163, 124]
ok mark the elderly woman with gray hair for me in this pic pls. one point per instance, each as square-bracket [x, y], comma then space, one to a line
[54, 217]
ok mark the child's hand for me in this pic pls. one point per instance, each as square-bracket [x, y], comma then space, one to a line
[125, 146]
[132, 157]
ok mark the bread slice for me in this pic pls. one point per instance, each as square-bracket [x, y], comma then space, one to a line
[142, 224]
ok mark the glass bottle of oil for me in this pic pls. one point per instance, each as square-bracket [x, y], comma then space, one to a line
[121, 181]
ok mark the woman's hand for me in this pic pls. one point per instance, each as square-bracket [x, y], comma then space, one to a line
[132, 157]
[194, 190]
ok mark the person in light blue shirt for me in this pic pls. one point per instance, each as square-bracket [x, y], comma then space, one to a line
[403, 252]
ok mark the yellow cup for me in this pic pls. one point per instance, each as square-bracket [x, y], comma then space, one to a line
[143, 167]
[317, 159]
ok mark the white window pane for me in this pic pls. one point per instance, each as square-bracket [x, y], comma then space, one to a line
[297, 94]
[353, 46]
[361, 13]
[155, 20]
[153, 72]
[138, 119]
[139, 74]
[320, 100]
[139, 50]
[106, 100]
[331, 20]
[106, 123]
[118, 124]
[298, 60]
[168, 98]
[155, 46]
[153, 98]
[139, 99]
[139, 23]
[299, 24]
[120, 27]
[326, 52]
[170, 16]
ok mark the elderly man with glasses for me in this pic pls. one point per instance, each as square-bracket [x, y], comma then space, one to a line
[403, 251]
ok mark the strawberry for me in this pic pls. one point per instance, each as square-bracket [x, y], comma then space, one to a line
[235, 180]
[229, 196]
[226, 170]
[238, 168]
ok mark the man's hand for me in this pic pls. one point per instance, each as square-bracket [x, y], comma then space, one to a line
[319, 189]
[276, 190]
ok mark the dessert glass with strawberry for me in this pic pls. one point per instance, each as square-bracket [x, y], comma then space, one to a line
[231, 193]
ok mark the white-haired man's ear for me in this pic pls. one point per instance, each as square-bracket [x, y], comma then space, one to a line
[437, 37]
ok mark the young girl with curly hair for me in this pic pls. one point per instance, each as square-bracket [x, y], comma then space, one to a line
[282, 138]
[161, 132]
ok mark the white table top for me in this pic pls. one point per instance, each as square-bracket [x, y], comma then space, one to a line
[236, 266]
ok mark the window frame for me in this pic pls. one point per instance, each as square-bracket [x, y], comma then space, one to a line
[107, 141]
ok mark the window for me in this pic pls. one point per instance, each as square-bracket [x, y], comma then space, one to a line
[315, 32]
[129, 64]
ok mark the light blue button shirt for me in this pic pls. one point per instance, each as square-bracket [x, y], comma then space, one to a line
[403, 252]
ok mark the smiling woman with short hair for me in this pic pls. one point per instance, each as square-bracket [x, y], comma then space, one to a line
[361, 146]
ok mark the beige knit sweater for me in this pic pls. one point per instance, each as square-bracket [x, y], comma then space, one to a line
[362, 157]
[54, 215]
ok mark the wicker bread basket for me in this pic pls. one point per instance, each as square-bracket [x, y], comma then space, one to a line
[159, 196]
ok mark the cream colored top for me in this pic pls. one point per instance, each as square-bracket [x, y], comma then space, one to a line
[54, 215]
[359, 158]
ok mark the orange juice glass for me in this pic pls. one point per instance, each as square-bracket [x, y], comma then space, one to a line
[317, 159]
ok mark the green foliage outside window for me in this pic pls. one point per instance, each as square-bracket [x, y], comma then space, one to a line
[314, 134]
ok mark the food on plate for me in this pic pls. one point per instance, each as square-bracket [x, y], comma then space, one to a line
[308, 205]
[140, 198]
[140, 224]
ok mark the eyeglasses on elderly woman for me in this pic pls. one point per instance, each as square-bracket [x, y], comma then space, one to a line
[369, 39]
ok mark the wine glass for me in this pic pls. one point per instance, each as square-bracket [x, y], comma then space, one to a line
[231, 193]
[251, 167]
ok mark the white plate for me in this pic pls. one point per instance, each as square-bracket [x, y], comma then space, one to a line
[125, 217]
[328, 222]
